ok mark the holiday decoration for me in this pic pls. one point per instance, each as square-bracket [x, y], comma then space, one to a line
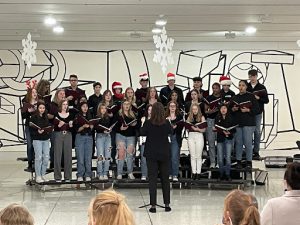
[28, 54]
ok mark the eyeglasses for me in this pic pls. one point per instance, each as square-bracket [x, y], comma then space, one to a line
[73, 80]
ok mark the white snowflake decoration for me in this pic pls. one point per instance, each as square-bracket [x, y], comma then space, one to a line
[28, 54]
[164, 53]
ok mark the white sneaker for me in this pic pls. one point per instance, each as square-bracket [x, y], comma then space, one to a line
[130, 176]
[67, 181]
[144, 178]
[88, 179]
[79, 179]
[175, 178]
[105, 177]
[58, 181]
[101, 177]
[170, 177]
[39, 180]
[119, 177]
[44, 179]
[212, 165]
[217, 166]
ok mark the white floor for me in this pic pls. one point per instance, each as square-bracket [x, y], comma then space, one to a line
[69, 207]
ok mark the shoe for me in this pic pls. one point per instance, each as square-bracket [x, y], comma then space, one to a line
[88, 179]
[198, 176]
[167, 208]
[152, 210]
[105, 177]
[255, 156]
[212, 165]
[175, 178]
[130, 176]
[119, 177]
[67, 180]
[144, 178]
[58, 181]
[217, 166]
[101, 177]
[228, 178]
[39, 180]
[239, 165]
[194, 176]
[249, 165]
[79, 179]
[170, 177]
[44, 179]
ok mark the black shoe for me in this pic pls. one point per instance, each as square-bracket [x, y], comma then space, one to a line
[249, 165]
[152, 210]
[167, 209]
[228, 178]
[239, 165]
[194, 176]
[198, 176]
[255, 156]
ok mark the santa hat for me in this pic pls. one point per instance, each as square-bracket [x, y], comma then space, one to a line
[170, 76]
[116, 85]
[225, 80]
[144, 76]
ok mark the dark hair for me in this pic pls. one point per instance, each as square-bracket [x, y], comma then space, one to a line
[41, 102]
[105, 116]
[61, 103]
[197, 79]
[220, 114]
[104, 94]
[96, 84]
[73, 76]
[81, 104]
[41, 87]
[216, 84]
[158, 114]
[244, 81]
[148, 94]
[177, 112]
[146, 110]
[292, 175]
[252, 72]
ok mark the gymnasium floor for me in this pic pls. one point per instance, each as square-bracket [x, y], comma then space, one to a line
[69, 207]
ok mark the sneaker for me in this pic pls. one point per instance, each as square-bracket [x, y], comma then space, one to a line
[105, 177]
[44, 179]
[256, 156]
[212, 165]
[170, 177]
[39, 180]
[79, 179]
[175, 178]
[194, 176]
[119, 177]
[239, 165]
[67, 180]
[130, 176]
[217, 166]
[144, 178]
[101, 177]
[198, 176]
[58, 181]
[88, 179]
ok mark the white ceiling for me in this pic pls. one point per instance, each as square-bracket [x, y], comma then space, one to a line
[188, 20]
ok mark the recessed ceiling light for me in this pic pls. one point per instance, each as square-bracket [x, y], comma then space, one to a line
[161, 22]
[50, 21]
[250, 30]
[58, 29]
[156, 30]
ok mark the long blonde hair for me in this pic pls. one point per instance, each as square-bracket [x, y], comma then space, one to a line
[110, 208]
[191, 115]
[133, 100]
[15, 214]
[130, 112]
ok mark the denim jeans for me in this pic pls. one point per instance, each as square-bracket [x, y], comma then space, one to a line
[196, 143]
[41, 149]
[30, 150]
[211, 139]
[244, 136]
[103, 145]
[126, 143]
[84, 151]
[257, 133]
[144, 168]
[224, 151]
[174, 165]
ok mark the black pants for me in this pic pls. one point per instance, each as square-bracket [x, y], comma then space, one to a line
[161, 167]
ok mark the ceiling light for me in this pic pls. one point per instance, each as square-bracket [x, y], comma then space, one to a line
[250, 30]
[161, 22]
[58, 29]
[50, 21]
[156, 30]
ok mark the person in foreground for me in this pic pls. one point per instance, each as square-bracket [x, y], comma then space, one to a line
[15, 214]
[240, 209]
[285, 209]
[109, 208]
[158, 152]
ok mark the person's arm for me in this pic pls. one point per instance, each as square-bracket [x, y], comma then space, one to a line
[254, 110]
[266, 216]
[265, 98]
[144, 128]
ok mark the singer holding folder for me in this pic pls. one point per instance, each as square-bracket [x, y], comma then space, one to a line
[158, 152]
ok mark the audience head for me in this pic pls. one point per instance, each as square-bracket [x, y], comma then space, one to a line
[239, 209]
[15, 214]
[158, 114]
[292, 176]
[110, 208]
[197, 83]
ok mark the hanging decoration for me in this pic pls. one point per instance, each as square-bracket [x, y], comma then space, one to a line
[28, 54]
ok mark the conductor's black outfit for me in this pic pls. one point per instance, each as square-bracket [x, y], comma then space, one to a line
[157, 153]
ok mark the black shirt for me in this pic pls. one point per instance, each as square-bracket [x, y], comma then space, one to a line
[211, 98]
[93, 103]
[130, 131]
[24, 112]
[226, 96]
[65, 127]
[140, 95]
[227, 122]
[79, 123]
[106, 122]
[165, 94]
[264, 99]
[204, 94]
[41, 121]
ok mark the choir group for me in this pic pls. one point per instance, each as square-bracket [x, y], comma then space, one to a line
[108, 125]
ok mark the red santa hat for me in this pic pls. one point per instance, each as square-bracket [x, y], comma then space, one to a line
[144, 76]
[116, 85]
[225, 80]
[170, 76]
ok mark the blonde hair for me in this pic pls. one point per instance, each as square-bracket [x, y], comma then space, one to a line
[110, 208]
[198, 116]
[55, 98]
[133, 100]
[241, 208]
[130, 112]
[15, 214]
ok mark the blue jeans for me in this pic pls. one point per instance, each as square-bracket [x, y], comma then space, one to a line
[30, 150]
[257, 133]
[224, 151]
[244, 136]
[211, 139]
[144, 168]
[41, 149]
[103, 145]
[125, 152]
[84, 151]
[174, 165]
